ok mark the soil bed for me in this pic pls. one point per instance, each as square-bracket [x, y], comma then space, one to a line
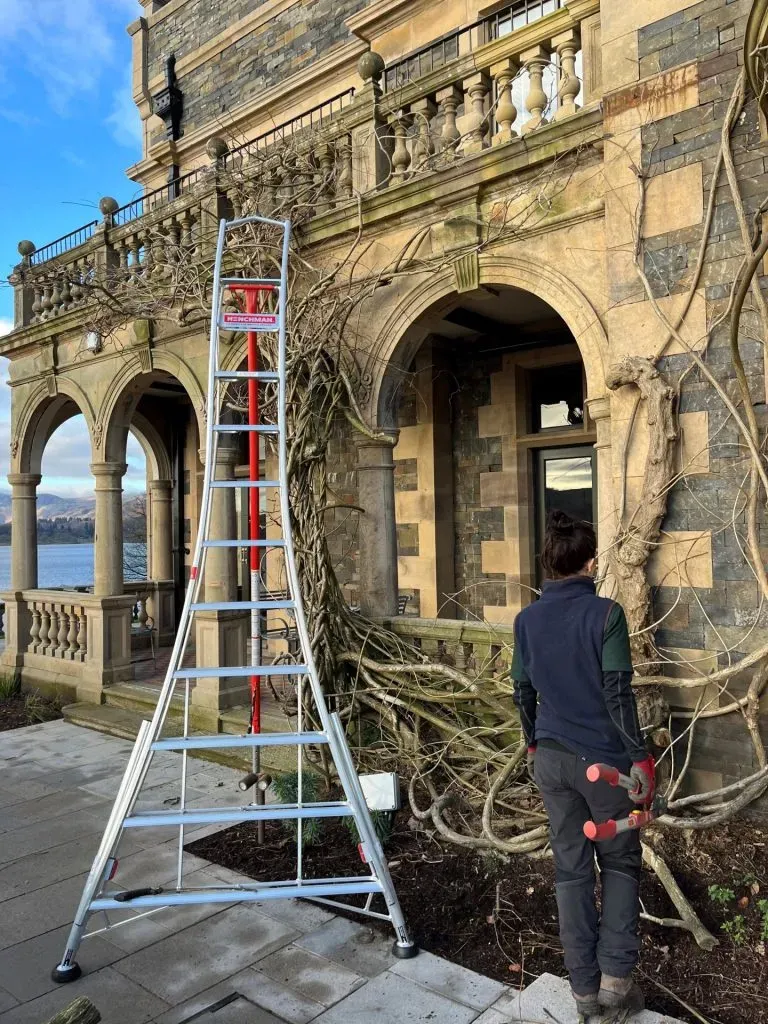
[499, 918]
[26, 709]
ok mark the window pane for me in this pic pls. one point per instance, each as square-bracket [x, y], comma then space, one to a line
[557, 395]
[568, 486]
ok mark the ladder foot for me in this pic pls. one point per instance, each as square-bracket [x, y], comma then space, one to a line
[405, 950]
[63, 975]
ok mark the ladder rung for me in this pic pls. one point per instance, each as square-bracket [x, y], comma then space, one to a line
[224, 672]
[226, 281]
[247, 375]
[237, 428]
[242, 606]
[304, 890]
[254, 739]
[232, 484]
[216, 815]
[266, 543]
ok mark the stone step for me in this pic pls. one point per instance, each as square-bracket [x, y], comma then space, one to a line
[549, 999]
[124, 722]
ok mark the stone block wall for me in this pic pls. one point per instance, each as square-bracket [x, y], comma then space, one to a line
[718, 620]
[287, 39]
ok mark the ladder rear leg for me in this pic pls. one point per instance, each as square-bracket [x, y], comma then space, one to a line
[68, 969]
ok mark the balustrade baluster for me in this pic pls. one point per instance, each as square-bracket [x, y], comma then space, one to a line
[186, 231]
[566, 46]
[63, 643]
[503, 74]
[344, 181]
[82, 634]
[55, 298]
[401, 158]
[323, 177]
[535, 60]
[77, 288]
[34, 630]
[423, 148]
[53, 632]
[45, 625]
[66, 292]
[71, 648]
[47, 304]
[449, 100]
[37, 303]
[474, 124]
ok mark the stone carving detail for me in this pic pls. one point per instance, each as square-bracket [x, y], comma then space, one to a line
[145, 359]
[14, 446]
[466, 271]
[361, 382]
[98, 434]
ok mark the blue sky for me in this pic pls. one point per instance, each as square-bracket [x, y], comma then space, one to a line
[68, 130]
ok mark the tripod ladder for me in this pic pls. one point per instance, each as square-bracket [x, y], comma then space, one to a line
[101, 892]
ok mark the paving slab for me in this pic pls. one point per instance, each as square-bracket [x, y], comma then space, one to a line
[392, 999]
[313, 976]
[7, 1001]
[550, 996]
[23, 966]
[40, 836]
[51, 807]
[183, 964]
[352, 945]
[238, 1011]
[118, 999]
[19, 792]
[451, 980]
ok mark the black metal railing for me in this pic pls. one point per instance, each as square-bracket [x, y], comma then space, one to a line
[309, 120]
[450, 46]
[63, 244]
[157, 197]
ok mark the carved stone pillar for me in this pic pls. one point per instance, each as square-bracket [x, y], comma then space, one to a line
[506, 111]
[449, 100]
[108, 539]
[399, 124]
[221, 636]
[423, 148]
[161, 604]
[378, 531]
[535, 60]
[567, 44]
[24, 530]
[474, 123]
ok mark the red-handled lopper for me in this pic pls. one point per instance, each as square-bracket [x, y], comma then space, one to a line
[637, 819]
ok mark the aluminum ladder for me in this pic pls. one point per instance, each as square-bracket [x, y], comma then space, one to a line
[101, 893]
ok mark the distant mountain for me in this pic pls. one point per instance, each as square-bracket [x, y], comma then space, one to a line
[53, 506]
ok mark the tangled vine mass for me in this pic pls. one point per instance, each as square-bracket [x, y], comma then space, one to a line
[453, 732]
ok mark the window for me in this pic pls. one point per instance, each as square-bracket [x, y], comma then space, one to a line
[511, 18]
[557, 397]
[565, 480]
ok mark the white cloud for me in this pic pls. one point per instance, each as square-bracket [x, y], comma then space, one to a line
[67, 45]
[124, 121]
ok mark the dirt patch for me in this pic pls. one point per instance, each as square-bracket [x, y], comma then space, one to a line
[26, 709]
[499, 917]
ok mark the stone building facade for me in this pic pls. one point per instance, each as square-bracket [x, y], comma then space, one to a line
[489, 373]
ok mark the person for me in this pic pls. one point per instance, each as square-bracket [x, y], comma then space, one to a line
[572, 674]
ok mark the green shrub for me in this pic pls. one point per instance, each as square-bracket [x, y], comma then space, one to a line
[286, 789]
[10, 686]
[383, 824]
[721, 895]
[735, 929]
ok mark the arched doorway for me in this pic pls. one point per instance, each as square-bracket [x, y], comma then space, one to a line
[488, 391]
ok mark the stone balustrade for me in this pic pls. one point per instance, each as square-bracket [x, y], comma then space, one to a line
[492, 95]
[58, 628]
[476, 647]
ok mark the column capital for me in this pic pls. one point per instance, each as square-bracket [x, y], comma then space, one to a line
[161, 489]
[384, 439]
[102, 469]
[24, 479]
[599, 408]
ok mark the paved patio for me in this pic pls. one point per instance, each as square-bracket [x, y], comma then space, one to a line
[241, 964]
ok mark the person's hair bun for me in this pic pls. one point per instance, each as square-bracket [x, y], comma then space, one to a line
[560, 523]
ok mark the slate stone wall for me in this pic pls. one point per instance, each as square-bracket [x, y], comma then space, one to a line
[726, 617]
[253, 64]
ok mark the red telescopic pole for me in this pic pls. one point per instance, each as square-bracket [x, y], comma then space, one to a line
[254, 509]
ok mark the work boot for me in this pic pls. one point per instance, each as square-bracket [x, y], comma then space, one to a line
[586, 1006]
[621, 994]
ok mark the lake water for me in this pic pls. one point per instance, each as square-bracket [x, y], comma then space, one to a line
[58, 565]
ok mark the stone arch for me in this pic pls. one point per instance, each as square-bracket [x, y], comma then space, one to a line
[402, 334]
[153, 446]
[41, 415]
[118, 408]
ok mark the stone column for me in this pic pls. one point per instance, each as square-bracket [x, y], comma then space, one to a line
[24, 530]
[161, 553]
[221, 636]
[599, 410]
[108, 541]
[378, 531]
[161, 604]
[23, 567]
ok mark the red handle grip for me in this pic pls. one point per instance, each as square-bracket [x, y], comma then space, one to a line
[606, 773]
[597, 833]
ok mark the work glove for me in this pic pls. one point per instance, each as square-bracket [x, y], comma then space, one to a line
[530, 759]
[644, 775]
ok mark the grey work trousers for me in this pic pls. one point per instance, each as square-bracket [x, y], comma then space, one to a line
[593, 944]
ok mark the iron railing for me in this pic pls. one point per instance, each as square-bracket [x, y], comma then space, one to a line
[309, 120]
[450, 46]
[157, 197]
[63, 244]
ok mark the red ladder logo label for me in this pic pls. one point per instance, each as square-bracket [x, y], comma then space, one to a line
[250, 321]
